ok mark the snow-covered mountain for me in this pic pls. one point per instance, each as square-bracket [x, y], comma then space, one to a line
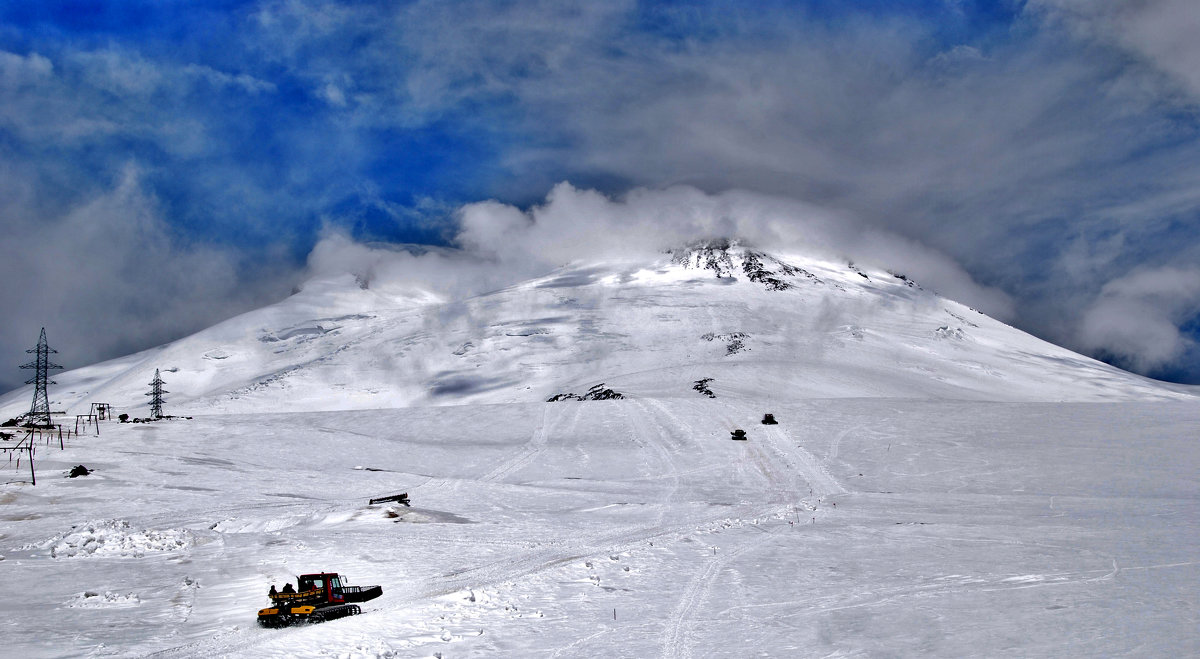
[749, 321]
[937, 484]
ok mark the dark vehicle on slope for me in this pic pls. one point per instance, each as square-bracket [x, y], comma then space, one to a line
[320, 597]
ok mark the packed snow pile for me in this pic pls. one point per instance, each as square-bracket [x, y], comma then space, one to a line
[116, 539]
[93, 600]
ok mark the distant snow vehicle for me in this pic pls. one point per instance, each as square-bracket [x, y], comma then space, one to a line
[769, 420]
[320, 597]
[738, 434]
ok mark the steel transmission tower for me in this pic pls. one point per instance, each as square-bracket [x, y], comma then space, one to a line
[156, 396]
[39, 414]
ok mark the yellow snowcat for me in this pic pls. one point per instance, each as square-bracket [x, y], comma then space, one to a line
[320, 597]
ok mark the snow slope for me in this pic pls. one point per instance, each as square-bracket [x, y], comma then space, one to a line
[939, 484]
[753, 322]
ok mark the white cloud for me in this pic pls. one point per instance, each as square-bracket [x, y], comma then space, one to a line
[1162, 33]
[500, 244]
[106, 277]
[245, 82]
[120, 73]
[17, 70]
[1136, 318]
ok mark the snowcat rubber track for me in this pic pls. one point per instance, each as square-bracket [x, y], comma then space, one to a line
[333, 613]
[279, 620]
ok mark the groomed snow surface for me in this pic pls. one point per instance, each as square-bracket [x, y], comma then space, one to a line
[927, 491]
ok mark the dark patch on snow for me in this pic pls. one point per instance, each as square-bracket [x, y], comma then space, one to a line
[907, 282]
[758, 267]
[960, 318]
[206, 462]
[598, 392]
[293, 333]
[533, 323]
[702, 387]
[425, 517]
[735, 342]
[458, 384]
[752, 265]
[708, 254]
[532, 331]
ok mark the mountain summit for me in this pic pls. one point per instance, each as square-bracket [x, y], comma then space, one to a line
[750, 322]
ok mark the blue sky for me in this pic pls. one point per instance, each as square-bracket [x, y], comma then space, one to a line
[177, 162]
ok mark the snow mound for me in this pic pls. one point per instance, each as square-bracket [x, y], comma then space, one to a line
[116, 539]
[365, 649]
[276, 524]
[93, 600]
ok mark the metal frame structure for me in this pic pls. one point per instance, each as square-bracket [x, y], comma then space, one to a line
[39, 412]
[102, 411]
[156, 396]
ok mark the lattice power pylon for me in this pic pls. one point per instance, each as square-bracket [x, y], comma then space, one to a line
[156, 396]
[39, 414]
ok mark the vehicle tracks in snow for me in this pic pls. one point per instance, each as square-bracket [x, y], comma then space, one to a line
[554, 555]
[836, 445]
[536, 444]
[810, 467]
[680, 626]
[658, 439]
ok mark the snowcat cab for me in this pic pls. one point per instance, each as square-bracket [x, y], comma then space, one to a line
[321, 596]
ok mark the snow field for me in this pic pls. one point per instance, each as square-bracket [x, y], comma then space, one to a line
[939, 484]
[932, 527]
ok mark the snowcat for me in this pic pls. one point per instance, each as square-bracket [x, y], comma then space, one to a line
[320, 597]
